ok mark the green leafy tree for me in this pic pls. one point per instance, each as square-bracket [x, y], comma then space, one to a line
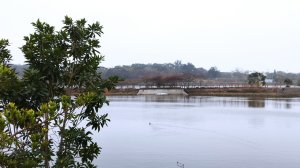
[5, 55]
[257, 79]
[42, 122]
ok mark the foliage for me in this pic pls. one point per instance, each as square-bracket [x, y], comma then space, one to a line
[136, 74]
[257, 79]
[213, 72]
[288, 82]
[139, 71]
[9, 85]
[42, 123]
[5, 55]
[160, 81]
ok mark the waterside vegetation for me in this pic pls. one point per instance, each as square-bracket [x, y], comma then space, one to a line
[41, 124]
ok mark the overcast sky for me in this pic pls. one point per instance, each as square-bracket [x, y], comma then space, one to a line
[231, 34]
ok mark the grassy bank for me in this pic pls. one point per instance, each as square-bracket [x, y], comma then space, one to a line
[246, 92]
[123, 92]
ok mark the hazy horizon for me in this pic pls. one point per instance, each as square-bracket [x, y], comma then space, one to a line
[260, 35]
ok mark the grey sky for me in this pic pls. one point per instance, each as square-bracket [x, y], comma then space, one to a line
[246, 34]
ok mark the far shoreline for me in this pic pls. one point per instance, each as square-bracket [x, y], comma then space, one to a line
[260, 92]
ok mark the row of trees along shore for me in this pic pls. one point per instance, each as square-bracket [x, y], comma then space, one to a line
[178, 74]
[41, 124]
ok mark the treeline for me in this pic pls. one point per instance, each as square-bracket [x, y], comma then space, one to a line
[137, 71]
[171, 73]
[178, 72]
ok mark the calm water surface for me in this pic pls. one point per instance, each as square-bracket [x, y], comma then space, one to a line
[201, 132]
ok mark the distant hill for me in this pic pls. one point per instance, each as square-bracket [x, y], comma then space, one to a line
[19, 68]
[141, 73]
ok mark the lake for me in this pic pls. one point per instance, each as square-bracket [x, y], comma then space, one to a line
[200, 132]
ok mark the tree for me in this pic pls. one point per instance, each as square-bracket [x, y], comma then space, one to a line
[257, 79]
[156, 81]
[288, 82]
[189, 68]
[4, 52]
[213, 72]
[42, 124]
[178, 64]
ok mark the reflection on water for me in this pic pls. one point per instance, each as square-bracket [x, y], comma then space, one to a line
[278, 103]
[288, 105]
[208, 132]
[256, 103]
